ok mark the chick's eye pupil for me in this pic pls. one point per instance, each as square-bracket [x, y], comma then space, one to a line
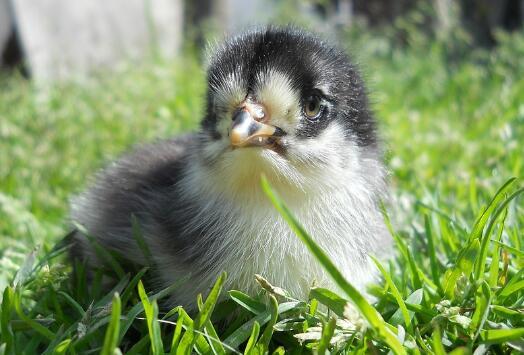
[312, 107]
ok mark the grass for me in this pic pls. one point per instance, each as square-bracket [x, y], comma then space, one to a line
[453, 131]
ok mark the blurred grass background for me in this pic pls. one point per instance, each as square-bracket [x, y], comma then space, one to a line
[54, 139]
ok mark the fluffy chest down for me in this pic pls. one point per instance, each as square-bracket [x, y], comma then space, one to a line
[249, 237]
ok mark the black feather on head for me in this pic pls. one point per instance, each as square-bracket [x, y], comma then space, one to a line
[314, 67]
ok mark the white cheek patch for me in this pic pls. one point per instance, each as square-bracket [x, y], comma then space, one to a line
[226, 97]
[229, 93]
[275, 91]
[328, 150]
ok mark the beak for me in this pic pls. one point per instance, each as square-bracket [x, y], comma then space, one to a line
[246, 131]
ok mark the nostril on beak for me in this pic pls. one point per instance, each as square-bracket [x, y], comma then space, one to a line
[258, 112]
[255, 110]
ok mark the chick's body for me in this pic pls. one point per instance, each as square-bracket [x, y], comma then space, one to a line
[281, 103]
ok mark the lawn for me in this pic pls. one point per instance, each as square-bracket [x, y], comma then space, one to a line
[451, 126]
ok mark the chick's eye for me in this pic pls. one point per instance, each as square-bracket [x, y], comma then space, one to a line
[313, 107]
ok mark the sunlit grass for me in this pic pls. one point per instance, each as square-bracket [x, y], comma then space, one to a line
[452, 133]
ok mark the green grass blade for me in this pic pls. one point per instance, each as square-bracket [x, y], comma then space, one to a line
[190, 336]
[183, 318]
[241, 334]
[313, 306]
[495, 255]
[513, 285]
[73, 303]
[433, 260]
[112, 333]
[209, 305]
[370, 314]
[509, 289]
[25, 271]
[119, 287]
[131, 286]
[171, 313]
[7, 308]
[505, 312]
[395, 292]
[482, 303]
[327, 333]
[247, 302]
[51, 348]
[438, 347]
[153, 326]
[413, 300]
[154, 329]
[406, 254]
[214, 339]
[463, 266]
[501, 335]
[481, 260]
[185, 346]
[330, 299]
[252, 338]
[449, 239]
[211, 334]
[265, 338]
[509, 248]
[483, 218]
[33, 324]
[194, 340]
[62, 347]
[138, 308]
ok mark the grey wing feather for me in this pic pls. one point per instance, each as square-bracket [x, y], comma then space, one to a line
[134, 186]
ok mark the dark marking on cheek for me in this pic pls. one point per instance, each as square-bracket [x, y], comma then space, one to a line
[311, 129]
[209, 126]
[215, 135]
[280, 149]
